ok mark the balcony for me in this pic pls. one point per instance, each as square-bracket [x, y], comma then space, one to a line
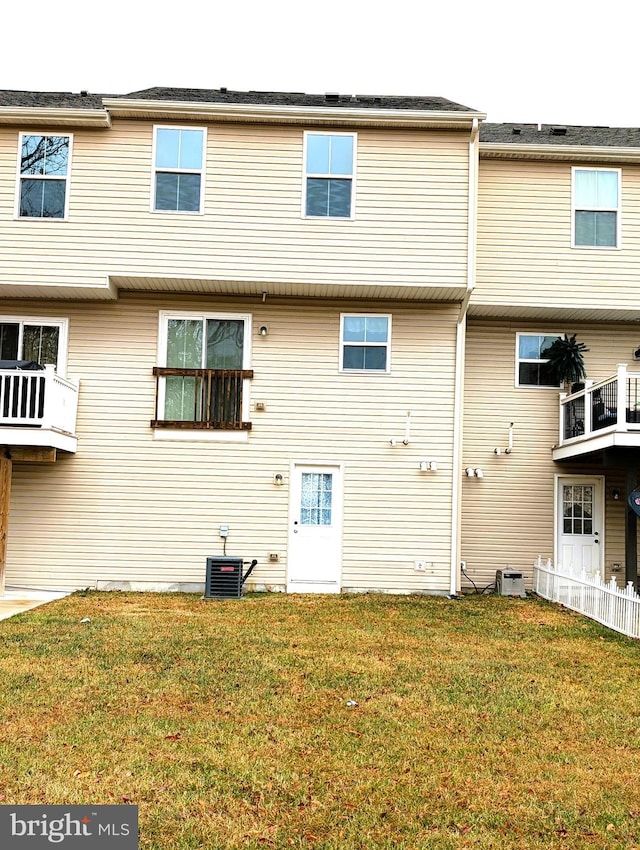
[603, 415]
[38, 409]
[202, 399]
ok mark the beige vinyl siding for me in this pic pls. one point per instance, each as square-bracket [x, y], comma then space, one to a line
[524, 241]
[508, 516]
[131, 508]
[410, 213]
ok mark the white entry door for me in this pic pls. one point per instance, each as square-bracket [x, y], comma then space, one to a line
[315, 529]
[580, 524]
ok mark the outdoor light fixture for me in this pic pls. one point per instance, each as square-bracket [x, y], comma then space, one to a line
[278, 480]
[264, 330]
[479, 473]
[470, 472]
[428, 466]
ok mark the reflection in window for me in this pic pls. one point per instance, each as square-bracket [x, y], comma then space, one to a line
[202, 343]
[532, 350]
[25, 341]
[44, 168]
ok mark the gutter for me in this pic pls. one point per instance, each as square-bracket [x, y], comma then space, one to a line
[461, 332]
[580, 153]
[53, 116]
[284, 114]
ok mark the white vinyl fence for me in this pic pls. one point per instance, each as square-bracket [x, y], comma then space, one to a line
[618, 608]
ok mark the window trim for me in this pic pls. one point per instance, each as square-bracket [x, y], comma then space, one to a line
[387, 344]
[617, 210]
[63, 336]
[306, 175]
[154, 170]
[520, 360]
[186, 434]
[20, 175]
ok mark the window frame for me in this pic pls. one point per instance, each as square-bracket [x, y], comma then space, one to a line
[520, 360]
[63, 335]
[617, 210]
[20, 176]
[154, 169]
[386, 345]
[306, 175]
[185, 434]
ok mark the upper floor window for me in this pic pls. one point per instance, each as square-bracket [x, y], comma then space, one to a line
[596, 207]
[42, 341]
[365, 343]
[44, 176]
[532, 358]
[329, 174]
[203, 372]
[178, 169]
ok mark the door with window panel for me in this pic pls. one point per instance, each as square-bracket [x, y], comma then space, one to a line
[314, 559]
[580, 525]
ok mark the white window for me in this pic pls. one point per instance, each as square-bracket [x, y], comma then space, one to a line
[531, 359]
[43, 183]
[329, 174]
[203, 372]
[596, 207]
[178, 169]
[365, 343]
[42, 341]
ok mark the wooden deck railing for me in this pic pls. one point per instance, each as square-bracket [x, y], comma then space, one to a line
[200, 398]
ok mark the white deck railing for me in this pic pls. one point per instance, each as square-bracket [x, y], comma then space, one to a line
[40, 399]
[616, 607]
[609, 405]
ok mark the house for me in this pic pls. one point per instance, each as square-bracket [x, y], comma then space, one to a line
[250, 310]
[310, 330]
[558, 252]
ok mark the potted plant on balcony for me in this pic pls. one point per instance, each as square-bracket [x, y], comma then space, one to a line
[565, 364]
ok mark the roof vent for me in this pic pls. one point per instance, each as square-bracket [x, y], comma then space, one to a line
[223, 89]
[332, 97]
[516, 131]
[558, 131]
[84, 93]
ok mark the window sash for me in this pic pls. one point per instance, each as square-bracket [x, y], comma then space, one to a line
[178, 169]
[596, 207]
[329, 175]
[365, 342]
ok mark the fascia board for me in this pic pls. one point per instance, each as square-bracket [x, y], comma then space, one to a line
[53, 116]
[271, 113]
[581, 153]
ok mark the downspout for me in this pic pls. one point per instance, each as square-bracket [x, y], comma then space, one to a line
[461, 330]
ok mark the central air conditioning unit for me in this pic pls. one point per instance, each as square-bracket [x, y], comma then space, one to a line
[509, 583]
[224, 577]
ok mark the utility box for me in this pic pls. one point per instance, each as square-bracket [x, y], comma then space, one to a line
[509, 583]
[224, 578]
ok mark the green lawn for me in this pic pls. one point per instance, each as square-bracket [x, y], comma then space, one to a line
[482, 722]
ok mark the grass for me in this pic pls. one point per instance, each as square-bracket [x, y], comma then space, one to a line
[485, 723]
